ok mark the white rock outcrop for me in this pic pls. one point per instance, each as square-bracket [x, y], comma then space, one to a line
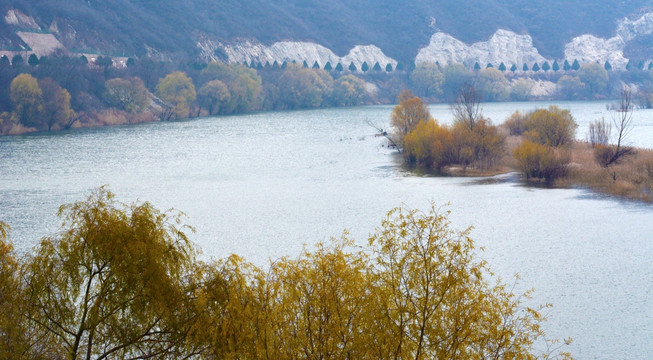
[504, 46]
[589, 48]
[17, 18]
[305, 51]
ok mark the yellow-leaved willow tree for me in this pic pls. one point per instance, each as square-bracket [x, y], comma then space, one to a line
[114, 283]
[416, 292]
[123, 282]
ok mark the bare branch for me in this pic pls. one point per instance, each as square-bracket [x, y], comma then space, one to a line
[467, 107]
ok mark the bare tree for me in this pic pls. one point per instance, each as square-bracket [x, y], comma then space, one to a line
[385, 134]
[599, 133]
[623, 124]
[467, 107]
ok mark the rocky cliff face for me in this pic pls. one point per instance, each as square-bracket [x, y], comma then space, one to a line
[589, 48]
[304, 51]
[504, 46]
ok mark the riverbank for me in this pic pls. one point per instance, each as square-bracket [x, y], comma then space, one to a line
[631, 178]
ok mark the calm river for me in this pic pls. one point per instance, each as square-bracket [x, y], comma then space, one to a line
[264, 185]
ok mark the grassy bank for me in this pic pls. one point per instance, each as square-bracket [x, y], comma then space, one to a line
[630, 178]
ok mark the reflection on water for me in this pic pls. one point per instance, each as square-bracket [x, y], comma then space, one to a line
[264, 185]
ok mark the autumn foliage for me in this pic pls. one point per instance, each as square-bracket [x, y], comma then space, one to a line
[122, 281]
[432, 146]
[548, 133]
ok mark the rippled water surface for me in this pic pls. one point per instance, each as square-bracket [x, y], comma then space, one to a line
[264, 185]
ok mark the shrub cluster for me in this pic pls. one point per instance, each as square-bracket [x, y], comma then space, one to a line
[433, 146]
[547, 133]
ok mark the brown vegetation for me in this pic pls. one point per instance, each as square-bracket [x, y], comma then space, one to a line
[631, 178]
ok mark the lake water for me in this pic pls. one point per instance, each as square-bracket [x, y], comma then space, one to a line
[264, 185]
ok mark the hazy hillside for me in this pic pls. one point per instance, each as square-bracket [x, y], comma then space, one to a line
[136, 27]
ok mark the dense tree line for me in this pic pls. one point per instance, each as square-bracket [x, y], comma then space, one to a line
[123, 282]
[61, 91]
[98, 93]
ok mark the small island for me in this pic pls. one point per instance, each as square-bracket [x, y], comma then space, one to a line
[540, 144]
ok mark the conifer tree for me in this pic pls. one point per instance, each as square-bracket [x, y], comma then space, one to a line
[352, 67]
[607, 66]
[502, 66]
[17, 60]
[339, 67]
[546, 66]
[513, 68]
[556, 67]
[477, 66]
[365, 67]
[525, 67]
[316, 65]
[33, 60]
[377, 67]
[328, 66]
[536, 67]
[388, 68]
[4, 60]
[566, 66]
[575, 65]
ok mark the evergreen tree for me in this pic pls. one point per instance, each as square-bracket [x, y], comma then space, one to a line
[316, 65]
[640, 65]
[607, 66]
[130, 62]
[33, 60]
[536, 67]
[502, 66]
[546, 66]
[566, 66]
[17, 60]
[284, 65]
[267, 65]
[4, 60]
[339, 67]
[525, 67]
[400, 66]
[513, 68]
[377, 67]
[352, 67]
[275, 65]
[328, 66]
[259, 66]
[575, 65]
[556, 67]
[388, 68]
[477, 66]
[650, 65]
[489, 65]
[365, 67]
[305, 64]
